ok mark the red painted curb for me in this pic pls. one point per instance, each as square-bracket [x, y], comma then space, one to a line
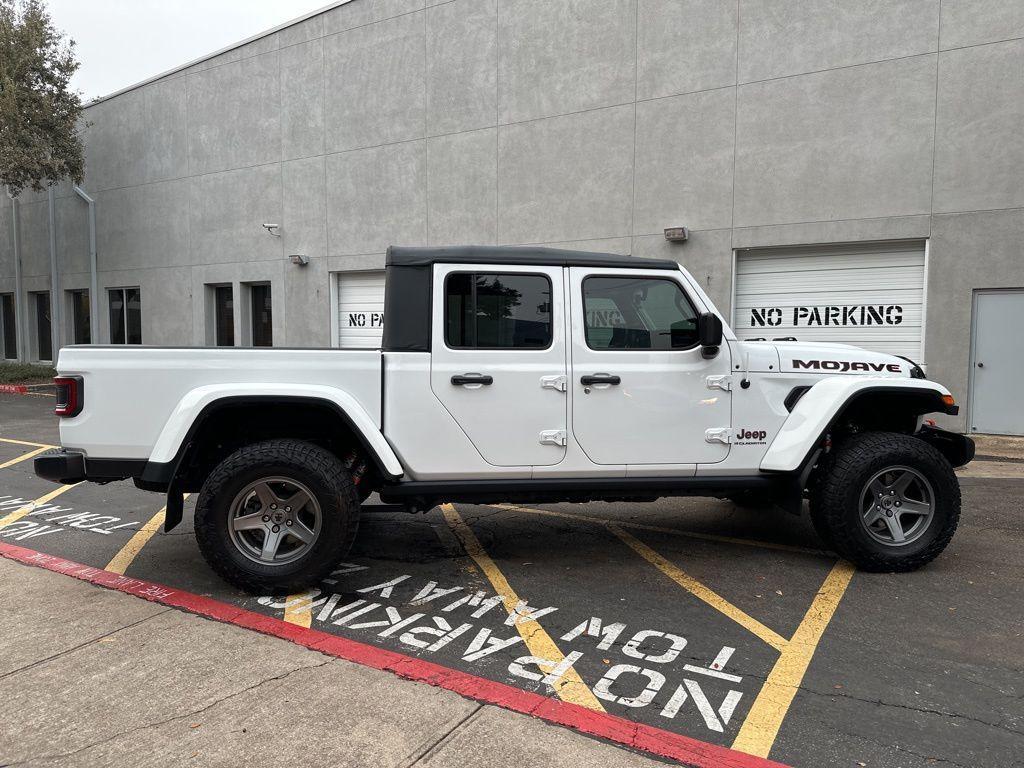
[686, 750]
[14, 389]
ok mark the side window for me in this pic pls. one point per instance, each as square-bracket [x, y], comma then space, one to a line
[497, 311]
[638, 313]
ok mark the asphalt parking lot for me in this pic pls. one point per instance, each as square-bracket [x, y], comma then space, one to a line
[691, 618]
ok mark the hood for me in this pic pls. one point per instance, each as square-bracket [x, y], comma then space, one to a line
[814, 357]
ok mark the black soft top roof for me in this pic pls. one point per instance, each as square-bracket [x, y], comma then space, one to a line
[400, 256]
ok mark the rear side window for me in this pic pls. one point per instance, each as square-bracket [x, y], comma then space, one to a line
[497, 311]
[638, 313]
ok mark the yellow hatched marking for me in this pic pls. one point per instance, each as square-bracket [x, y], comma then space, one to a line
[570, 687]
[25, 442]
[23, 457]
[701, 592]
[758, 732]
[17, 514]
[663, 529]
[128, 553]
[769, 710]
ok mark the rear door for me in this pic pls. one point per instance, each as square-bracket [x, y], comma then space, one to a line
[498, 359]
[640, 382]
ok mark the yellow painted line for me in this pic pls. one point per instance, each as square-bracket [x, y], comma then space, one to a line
[127, 553]
[17, 514]
[23, 457]
[25, 442]
[570, 687]
[664, 529]
[701, 592]
[758, 732]
[298, 608]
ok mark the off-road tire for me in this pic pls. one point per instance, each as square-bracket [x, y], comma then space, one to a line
[838, 503]
[314, 467]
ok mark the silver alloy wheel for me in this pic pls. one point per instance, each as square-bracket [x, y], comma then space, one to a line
[897, 506]
[274, 520]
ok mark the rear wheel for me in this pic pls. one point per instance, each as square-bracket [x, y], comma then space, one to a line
[276, 516]
[888, 502]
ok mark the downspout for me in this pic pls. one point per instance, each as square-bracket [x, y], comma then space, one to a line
[94, 286]
[54, 284]
[20, 319]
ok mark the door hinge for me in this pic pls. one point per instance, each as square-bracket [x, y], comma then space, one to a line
[553, 437]
[561, 383]
[719, 382]
[718, 435]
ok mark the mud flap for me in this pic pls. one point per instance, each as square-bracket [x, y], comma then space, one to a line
[175, 508]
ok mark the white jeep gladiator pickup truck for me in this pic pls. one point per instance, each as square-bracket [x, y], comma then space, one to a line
[510, 375]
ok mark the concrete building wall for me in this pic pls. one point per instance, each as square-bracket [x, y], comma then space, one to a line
[592, 123]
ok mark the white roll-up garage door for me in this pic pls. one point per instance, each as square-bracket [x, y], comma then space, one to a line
[360, 309]
[872, 296]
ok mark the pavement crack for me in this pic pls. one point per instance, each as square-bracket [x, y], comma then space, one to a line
[88, 642]
[911, 708]
[433, 746]
[190, 714]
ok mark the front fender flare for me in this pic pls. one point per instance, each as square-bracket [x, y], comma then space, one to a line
[818, 410]
[167, 449]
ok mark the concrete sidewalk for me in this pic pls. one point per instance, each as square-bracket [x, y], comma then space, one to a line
[95, 677]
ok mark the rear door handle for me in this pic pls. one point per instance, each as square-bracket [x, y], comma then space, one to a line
[472, 378]
[600, 378]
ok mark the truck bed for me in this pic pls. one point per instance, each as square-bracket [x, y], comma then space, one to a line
[131, 393]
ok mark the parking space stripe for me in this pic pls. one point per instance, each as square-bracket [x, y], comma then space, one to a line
[759, 730]
[684, 749]
[701, 592]
[25, 442]
[23, 457]
[570, 686]
[665, 529]
[120, 562]
[28, 508]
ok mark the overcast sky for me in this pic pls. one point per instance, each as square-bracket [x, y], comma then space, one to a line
[120, 42]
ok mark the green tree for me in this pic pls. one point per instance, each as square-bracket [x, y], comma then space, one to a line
[40, 141]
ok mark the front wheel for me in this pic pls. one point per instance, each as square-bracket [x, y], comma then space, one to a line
[276, 517]
[888, 502]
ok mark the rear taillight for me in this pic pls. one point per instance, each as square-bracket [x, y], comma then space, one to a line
[69, 395]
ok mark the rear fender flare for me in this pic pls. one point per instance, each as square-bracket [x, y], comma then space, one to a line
[197, 403]
[821, 407]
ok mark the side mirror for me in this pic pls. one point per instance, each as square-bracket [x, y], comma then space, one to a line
[709, 333]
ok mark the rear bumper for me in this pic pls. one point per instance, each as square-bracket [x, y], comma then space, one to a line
[61, 466]
[64, 466]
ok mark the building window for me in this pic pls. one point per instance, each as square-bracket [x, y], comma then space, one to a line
[125, 316]
[223, 316]
[488, 311]
[44, 328]
[637, 313]
[81, 330]
[262, 315]
[9, 326]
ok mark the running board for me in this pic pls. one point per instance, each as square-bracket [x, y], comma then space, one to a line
[428, 492]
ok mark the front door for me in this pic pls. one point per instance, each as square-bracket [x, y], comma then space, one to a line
[498, 359]
[639, 379]
[997, 363]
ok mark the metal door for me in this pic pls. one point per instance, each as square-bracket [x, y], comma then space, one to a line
[498, 359]
[997, 363]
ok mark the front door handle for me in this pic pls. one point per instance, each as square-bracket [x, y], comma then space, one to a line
[599, 378]
[472, 378]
